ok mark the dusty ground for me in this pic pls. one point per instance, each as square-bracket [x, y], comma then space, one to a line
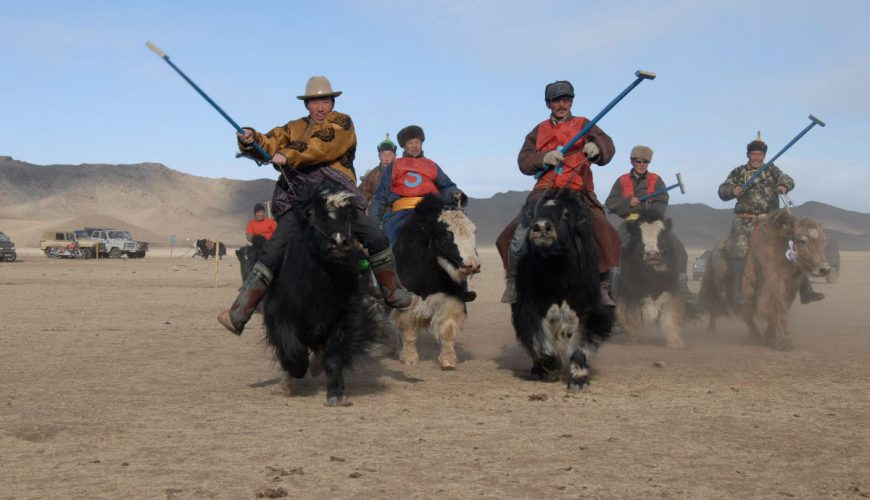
[116, 381]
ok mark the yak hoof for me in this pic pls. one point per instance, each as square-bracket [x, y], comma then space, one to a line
[341, 400]
[539, 373]
[676, 344]
[784, 345]
[287, 385]
[577, 384]
[409, 357]
[448, 361]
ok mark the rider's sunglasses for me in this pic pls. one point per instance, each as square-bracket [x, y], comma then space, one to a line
[638, 160]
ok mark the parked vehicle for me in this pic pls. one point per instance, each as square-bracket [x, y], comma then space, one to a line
[7, 249]
[64, 244]
[699, 265]
[118, 242]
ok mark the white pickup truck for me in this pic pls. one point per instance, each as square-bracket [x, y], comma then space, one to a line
[118, 242]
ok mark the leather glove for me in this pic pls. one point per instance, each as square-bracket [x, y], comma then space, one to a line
[591, 150]
[552, 158]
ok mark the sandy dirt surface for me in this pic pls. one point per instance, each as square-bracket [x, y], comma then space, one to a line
[117, 382]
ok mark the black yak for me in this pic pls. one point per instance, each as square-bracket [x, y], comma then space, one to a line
[558, 291]
[315, 306]
[647, 284]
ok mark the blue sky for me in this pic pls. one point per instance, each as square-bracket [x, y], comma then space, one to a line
[79, 86]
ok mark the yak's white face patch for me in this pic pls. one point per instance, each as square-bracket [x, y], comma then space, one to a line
[463, 238]
[336, 201]
[649, 235]
[550, 203]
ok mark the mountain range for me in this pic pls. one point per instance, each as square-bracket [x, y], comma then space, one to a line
[154, 202]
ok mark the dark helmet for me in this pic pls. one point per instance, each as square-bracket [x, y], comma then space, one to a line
[410, 132]
[259, 207]
[561, 88]
[757, 145]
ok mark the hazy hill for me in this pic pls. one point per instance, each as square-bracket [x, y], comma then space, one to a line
[148, 195]
[154, 202]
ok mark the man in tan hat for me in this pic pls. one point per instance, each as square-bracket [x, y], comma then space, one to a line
[540, 152]
[371, 179]
[317, 148]
[623, 201]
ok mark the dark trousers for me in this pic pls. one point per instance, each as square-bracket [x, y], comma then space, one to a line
[365, 229]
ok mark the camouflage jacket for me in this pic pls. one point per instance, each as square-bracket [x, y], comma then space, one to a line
[761, 196]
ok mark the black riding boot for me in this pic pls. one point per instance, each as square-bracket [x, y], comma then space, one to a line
[384, 267]
[252, 292]
[806, 291]
[516, 249]
[735, 268]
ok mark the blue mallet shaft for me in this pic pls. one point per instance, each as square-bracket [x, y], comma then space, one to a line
[815, 121]
[266, 156]
[641, 76]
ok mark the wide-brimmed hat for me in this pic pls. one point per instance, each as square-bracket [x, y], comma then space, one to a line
[317, 87]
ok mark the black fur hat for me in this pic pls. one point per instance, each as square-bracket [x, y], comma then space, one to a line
[757, 145]
[410, 132]
[259, 207]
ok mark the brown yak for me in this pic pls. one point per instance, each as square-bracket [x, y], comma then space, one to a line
[783, 248]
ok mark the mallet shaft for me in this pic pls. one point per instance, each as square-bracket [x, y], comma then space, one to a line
[658, 192]
[815, 121]
[232, 122]
[641, 76]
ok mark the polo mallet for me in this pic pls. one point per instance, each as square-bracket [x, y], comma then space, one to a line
[267, 157]
[679, 184]
[641, 76]
[815, 121]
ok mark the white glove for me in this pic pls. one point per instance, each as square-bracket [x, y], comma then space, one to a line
[552, 158]
[590, 149]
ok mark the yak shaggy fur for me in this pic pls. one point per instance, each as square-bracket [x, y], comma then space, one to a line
[435, 255]
[315, 308]
[558, 297]
[647, 288]
[770, 279]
